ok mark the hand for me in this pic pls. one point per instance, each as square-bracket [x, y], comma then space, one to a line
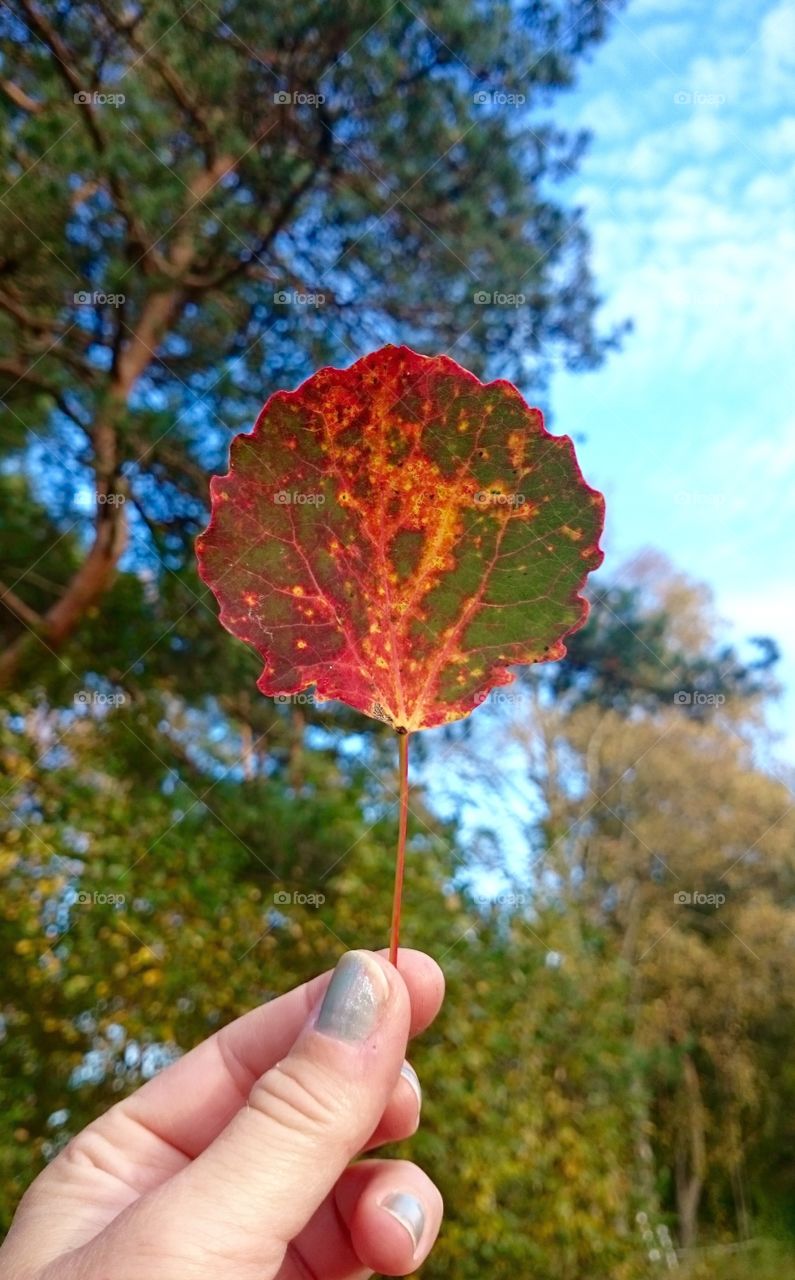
[234, 1163]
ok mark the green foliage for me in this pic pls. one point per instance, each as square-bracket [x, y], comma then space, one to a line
[662, 831]
[600, 1056]
[175, 254]
[535, 1118]
[763, 1259]
[629, 654]
[146, 899]
[559, 1078]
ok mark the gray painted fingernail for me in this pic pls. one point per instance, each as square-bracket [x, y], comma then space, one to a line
[408, 1073]
[354, 998]
[408, 1211]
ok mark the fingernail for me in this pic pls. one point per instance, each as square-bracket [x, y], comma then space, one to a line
[408, 1073]
[354, 998]
[408, 1211]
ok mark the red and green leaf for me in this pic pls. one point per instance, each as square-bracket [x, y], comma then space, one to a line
[398, 534]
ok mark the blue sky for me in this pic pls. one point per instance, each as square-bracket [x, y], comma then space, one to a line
[688, 193]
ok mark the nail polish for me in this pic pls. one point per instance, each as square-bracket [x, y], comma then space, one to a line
[408, 1211]
[354, 998]
[410, 1076]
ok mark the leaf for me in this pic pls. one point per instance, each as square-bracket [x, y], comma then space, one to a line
[396, 534]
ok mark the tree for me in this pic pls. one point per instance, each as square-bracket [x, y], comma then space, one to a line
[143, 905]
[150, 895]
[203, 205]
[660, 831]
[534, 1124]
[651, 636]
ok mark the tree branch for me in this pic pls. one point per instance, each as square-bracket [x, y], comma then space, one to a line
[23, 611]
[20, 98]
[64, 65]
[22, 374]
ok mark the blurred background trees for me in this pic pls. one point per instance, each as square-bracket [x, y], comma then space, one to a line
[280, 187]
[203, 206]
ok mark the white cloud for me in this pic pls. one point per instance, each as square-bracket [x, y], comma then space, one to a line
[665, 39]
[606, 115]
[779, 138]
[690, 208]
[777, 42]
[691, 222]
[651, 8]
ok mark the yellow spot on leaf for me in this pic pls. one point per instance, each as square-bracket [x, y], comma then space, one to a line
[516, 447]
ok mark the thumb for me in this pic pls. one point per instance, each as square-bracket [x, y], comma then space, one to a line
[258, 1184]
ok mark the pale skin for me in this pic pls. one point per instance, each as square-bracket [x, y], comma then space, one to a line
[235, 1162]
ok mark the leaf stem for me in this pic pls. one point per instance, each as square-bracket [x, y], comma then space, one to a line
[403, 748]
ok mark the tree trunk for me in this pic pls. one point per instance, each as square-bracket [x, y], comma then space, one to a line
[691, 1159]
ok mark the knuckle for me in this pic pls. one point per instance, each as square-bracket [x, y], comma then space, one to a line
[299, 1097]
[83, 1152]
